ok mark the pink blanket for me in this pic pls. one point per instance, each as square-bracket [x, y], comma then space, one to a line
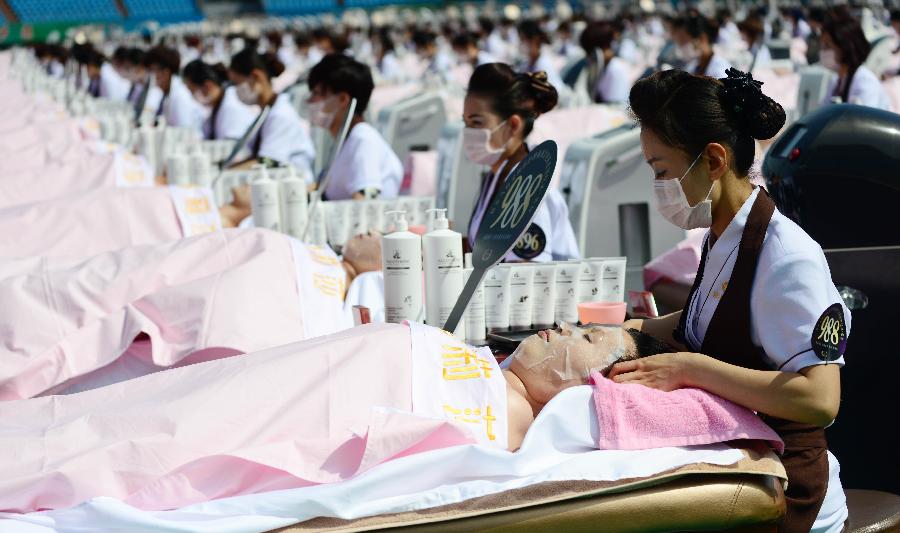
[276, 419]
[635, 417]
[89, 223]
[62, 319]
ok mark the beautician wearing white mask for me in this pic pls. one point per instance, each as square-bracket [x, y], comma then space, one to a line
[499, 111]
[535, 53]
[844, 50]
[764, 325]
[366, 166]
[694, 36]
[178, 106]
[228, 117]
[282, 138]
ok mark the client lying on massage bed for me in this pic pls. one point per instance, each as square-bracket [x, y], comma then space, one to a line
[136, 310]
[284, 417]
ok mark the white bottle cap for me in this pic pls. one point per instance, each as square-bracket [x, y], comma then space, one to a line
[263, 173]
[400, 223]
[440, 218]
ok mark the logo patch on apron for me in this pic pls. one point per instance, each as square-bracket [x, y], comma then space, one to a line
[829, 337]
[531, 244]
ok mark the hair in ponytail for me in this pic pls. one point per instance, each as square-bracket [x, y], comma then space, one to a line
[528, 95]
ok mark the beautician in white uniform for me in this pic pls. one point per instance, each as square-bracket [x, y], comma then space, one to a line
[366, 166]
[609, 77]
[695, 36]
[228, 117]
[283, 138]
[536, 54]
[764, 325]
[134, 70]
[844, 50]
[178, 107]
[499, 111]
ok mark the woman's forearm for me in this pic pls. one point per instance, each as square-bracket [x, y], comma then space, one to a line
[660, 328]
[812, 396]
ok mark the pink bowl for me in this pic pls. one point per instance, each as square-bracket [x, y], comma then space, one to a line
[601, 312]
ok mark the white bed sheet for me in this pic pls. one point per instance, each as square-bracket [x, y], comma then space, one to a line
[559, 446]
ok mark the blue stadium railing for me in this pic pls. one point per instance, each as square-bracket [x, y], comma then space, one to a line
[39, 11]
[162, 10]
[35, 11]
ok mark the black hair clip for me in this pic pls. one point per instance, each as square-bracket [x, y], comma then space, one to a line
[739, 86]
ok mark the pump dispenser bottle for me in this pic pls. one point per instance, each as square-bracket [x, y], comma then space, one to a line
[401, 256]
[294, 204]
[264, 201]
[443, 255]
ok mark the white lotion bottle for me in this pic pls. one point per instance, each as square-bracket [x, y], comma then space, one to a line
[294, 198]
[401, 262]
[317, 234]
[612, 284]
[443, 256]
[567, 289]
[265, 202]
[496, 298]
[543, 304]
[476, 325]
[521, 288]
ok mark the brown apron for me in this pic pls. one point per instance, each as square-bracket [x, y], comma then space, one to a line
[728, 339]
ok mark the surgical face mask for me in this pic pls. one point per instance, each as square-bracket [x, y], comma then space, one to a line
[246, 94]
[829, 60]
[672, 204]
[318, 115]
[555, 360]
[202, 99]
[477, 145]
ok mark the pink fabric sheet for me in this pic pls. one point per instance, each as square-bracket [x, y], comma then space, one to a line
[63, 319]
[89, 223]
[276, 419]
[636, 417]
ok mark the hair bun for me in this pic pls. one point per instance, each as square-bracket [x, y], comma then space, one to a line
[545, 95]
[755, 113]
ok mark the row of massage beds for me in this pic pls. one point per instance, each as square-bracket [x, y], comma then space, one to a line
[557, 480]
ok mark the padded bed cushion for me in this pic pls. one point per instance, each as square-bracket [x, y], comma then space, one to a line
[745, 496]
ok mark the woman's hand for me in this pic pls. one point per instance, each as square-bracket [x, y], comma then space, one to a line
[666, 371]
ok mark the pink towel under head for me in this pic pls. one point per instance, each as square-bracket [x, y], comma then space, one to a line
[635, 417]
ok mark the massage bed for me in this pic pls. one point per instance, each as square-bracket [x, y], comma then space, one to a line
[746, 496]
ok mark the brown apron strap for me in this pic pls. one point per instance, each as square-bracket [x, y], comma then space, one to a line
[735, 300]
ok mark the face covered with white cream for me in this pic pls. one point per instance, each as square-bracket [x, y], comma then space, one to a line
[554, 360]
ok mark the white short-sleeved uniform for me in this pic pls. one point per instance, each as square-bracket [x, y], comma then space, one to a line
[628, 50]
[791, 291]
[865, 89]
[551, 222]
[716, 68]
[390, 67]
[112, 85]
[366, 160]
[154, 97]
[180, 109]
[615, 83]
[762, 57]
[284, 137]
[232, 119]
[484, 58]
